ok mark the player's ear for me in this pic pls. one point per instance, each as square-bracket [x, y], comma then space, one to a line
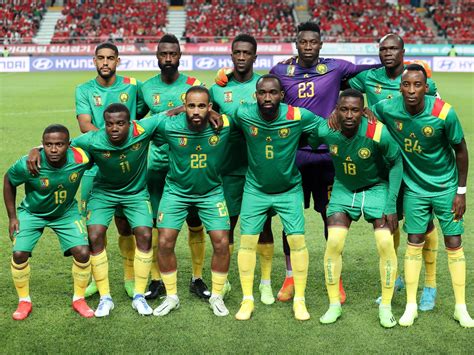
[118, 61]
[255, 58]
[209, 108]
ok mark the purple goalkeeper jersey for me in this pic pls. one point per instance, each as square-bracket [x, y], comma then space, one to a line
[316, 88]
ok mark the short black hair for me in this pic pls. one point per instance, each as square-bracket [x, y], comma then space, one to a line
[244, 37]
[308, 26]
[400, 39]
[352, 93]
[56, 128]
[417, 67]
[168, 38]
[269, 76]
[108, 45]
[199, 88]
[115, 108]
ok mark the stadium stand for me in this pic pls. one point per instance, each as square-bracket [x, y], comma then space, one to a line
[367, 21]
[20, 20]
[97, 21]
[218, 21]
[454, 20]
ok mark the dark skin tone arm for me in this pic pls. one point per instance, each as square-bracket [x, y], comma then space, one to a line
[85, 123]
[9, 196]
[462, 162]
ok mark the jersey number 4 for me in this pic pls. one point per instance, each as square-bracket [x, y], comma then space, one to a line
[412, 146]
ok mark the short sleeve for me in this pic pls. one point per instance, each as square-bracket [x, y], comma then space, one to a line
[388, 146]
[83, 141]
[377, 109]
[82, 102]
[432, 89]
[309, 121]
[453, 128]
[142, 107]
[358, 81]
[159, 136]
[18, 173]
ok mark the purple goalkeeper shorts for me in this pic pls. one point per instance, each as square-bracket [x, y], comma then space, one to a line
[317, 172]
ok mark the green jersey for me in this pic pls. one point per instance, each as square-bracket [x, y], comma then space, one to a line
[195, 157]
[271, 146]
[159, 97]
[51, 193]
[121, 169]
[361, 161]
[227, 100]
[378, 86]
[425, 141]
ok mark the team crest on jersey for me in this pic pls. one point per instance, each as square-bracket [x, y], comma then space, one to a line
[284, 132]
[378, 89]
[268, 139]
[290, 70]
[123, 97]
[73, 177]
[213, 140]
[156, 99]
[136, 146]
[321, 68]
[364, 153]
[254, 96]
[254, 131]
[228, 96]
[333, 149]
[182, 97]
[106, 154]
[398, 125]
[170, 104]
[427, 131]
[97, 100]
[198, 148]
[44, 183]
[183, 141]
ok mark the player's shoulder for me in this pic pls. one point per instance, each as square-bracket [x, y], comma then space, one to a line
[151, 81]
[374, 131]
[79, 156]
[439, 108]
[246, 108]
[281, 69]
[89, 84]
[128, 80]
[295, 113]
[190, 80]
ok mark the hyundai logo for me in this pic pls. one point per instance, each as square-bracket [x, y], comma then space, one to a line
[206, 63]
[42, 64]
[367, 61]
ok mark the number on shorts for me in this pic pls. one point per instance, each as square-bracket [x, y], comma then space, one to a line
[269, 152]
[198, 161]
[60, 196]
[349, 168]
[222, 209]
[80, 226]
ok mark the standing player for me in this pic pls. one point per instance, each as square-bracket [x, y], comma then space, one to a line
[272, 131]
[436, 163]
[49, 202]
[193, 183]
[239, 89]
[92, 98]
[360, 153]
[160, 93]
[384, 83]
[313, 83]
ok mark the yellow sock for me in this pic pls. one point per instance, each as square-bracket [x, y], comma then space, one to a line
[218, 281]
[197, 245]
[155, 271]
[430, 253]
[81, 272]
[396, 240]
[21, 278]
[170, 280]
[231, 249]
[413, 260]
[142, 265]
[246, 260]
[265, 251]
[333, 261]
[100, 271]
[387, 264]
[127, 250]
[457, 269]
[300, 262]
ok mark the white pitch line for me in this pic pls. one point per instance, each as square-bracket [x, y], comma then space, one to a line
[16, 113]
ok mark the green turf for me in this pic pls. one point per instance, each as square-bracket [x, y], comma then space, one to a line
[31, 101]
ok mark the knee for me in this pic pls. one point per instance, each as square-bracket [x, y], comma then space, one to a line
[453, 242]
[81, 254]
[20, 257]
[221, 244]
[416, 238]
[165, 244]
[334, 244]
[143, 238]
[249, 242]
[296, 242]
[385, 245]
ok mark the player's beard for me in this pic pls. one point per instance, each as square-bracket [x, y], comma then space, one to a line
[268, 111]
[110, 74]
[197, 127]
[168, 69]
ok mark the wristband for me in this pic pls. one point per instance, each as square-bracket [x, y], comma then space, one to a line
[461, 190]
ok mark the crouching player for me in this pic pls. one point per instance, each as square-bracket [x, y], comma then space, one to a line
[364, 157]
[49, 202]
[193, 183]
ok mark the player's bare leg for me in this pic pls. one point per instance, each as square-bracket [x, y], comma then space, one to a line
[197, 246]
[219, 270]
[143, 257]
[265, 249]
[21, 278]
[168, 266]
[100, 268]
[81, 272]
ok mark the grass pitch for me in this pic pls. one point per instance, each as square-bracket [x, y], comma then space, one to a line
[31, 101]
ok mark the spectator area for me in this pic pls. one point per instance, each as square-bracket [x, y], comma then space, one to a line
[20, 20]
